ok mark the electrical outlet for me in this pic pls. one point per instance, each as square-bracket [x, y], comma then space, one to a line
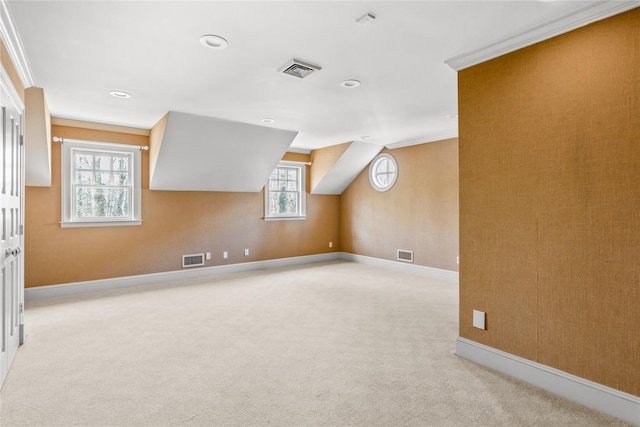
[246, 252]
[225, 254]
[330, 244]
[207, 255]
[479, 319]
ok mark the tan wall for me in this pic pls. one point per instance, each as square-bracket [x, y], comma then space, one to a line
[323, 159]
[550, 199]
[5, 59]
[419, 213]
[174, 223]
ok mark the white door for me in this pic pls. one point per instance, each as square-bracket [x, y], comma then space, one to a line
[11, 228]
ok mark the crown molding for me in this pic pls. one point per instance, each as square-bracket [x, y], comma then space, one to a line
[581, 17]
[298, 150]
[432, 138]
[58, 121]
[13, 44]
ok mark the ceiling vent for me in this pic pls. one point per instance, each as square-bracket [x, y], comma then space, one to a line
[298, 68]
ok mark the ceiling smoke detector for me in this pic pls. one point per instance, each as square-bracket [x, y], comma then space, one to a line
[365, 19]
[298, 68]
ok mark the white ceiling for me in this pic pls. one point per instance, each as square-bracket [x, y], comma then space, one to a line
[80, 50]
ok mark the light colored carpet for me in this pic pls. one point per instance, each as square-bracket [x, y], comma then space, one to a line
[328, 344]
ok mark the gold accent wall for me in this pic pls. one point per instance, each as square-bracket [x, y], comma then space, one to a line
[550, 202]
[174, 223]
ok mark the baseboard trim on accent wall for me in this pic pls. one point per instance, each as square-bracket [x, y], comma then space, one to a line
[168, 276]
[604, 399]
[434, 273]
[51, 291]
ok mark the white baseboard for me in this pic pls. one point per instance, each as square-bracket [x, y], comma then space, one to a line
[147, 279]
[604, 399]
[434, 273]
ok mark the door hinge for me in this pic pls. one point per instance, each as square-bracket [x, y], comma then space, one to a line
[21, 139]
[21, 308]
[21, 230]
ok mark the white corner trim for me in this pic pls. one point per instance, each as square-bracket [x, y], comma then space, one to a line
[155, 278]
[12, 42]
[7, 85]
[597, 396]
[298, 150]
[433, 138]
[593, 12]
[420, 270]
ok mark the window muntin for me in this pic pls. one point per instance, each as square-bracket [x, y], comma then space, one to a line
[285, 192]
[383, 172]
[101, 184]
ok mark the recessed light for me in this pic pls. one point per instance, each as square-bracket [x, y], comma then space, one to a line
[120, 94]
[363, 137]
[213, 42]
[350, 83]
[267, 120]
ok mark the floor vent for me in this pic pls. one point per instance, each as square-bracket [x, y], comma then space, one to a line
[298, 68]
[193, 260]
[406, 256]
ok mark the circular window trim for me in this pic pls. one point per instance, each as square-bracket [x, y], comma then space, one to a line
[373, 168]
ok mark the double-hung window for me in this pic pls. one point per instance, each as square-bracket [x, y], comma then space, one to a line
[100, 184]
[285, 192]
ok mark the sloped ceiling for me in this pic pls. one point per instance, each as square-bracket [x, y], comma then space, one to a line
[198, 153]
[151, 49]
[340, 170]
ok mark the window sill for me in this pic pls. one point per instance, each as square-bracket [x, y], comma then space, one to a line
[77, 224]
[284, 218]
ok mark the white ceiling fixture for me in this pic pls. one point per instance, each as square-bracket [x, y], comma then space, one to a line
[267, 120]
[350, 83]
[213, 42]
[365, 19]
[120, 94]
[298, 68]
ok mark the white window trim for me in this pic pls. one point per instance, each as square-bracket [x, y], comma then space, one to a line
[302, 177]
[67, 179]
[372, 172]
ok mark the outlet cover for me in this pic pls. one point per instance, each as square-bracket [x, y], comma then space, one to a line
[478, 319]
[225, 254]
[246, 252]
[207, 255]
[330, 244]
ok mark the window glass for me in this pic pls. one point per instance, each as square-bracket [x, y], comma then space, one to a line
[101, 184]
[383, 172]
[284, 192]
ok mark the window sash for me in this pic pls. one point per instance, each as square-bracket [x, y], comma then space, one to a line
[93, 185]
[277, 190]
[115, 184]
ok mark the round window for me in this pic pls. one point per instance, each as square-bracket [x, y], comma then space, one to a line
[383, 172]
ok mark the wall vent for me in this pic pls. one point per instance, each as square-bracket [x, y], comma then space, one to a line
[406, 256]
[298, 68]
[193, 260]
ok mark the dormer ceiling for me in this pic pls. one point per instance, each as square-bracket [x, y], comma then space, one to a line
[197, 153]
[79, 51]
[246, 81]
